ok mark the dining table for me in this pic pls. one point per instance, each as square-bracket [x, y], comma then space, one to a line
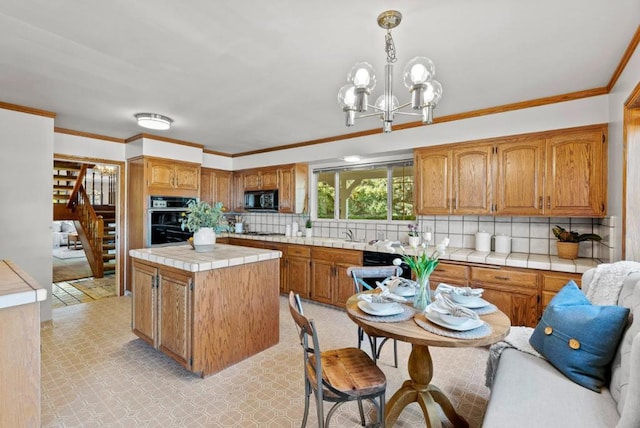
[412, 328]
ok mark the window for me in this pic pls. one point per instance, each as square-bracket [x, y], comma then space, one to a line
[373, 192]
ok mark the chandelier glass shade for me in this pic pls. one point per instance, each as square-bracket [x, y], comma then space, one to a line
[418, 77]
[154, 121]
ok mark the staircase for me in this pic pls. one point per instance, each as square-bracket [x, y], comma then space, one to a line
[95, 224]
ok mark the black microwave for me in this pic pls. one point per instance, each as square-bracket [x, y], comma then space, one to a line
[266, 200]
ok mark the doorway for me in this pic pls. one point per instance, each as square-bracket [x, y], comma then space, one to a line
[101, 186]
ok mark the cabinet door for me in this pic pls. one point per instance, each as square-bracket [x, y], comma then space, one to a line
[174, 308]
[144, 302]
[223, 186]
[251, 180]
[552, 282]
[432, 181]
[187, 177]
[343, 284]
[207, 185]
[472, 180]
[322, 278]
[449, 273]
[238, 192]
[576, 174]
[520, 177]
[160, 174]
[286, 190]
[269, 179]
[299, 274]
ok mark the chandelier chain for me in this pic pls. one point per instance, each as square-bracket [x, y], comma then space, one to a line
[390, 48]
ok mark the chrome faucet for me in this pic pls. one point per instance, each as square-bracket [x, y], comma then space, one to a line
[350, 236]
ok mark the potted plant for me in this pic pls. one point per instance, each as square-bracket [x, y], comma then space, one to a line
[204, 221]
[569, 241]
[414, 235]
[308, 228]
[422, 265]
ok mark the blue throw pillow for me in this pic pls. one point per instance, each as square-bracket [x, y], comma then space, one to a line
[578, 338]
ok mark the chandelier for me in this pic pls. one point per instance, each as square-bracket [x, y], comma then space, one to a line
[418, 78]
[105, 169]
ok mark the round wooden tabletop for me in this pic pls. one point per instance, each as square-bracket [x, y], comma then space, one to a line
[409, 331]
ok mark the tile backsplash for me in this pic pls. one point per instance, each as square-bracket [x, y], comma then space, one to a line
[532, 235]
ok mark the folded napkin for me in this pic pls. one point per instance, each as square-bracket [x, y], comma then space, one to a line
[463, 291]
[445, 305]
[384, 295]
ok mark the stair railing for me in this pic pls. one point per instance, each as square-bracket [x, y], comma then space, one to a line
[93, 228]
[76, 188]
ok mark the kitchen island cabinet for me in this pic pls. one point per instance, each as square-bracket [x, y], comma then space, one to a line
[207, 311]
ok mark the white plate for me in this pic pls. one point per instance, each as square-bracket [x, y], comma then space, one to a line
[476, 303]
[403, 291]
[467, 325]
[393, 309]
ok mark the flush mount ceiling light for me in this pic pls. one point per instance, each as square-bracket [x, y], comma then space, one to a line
[154, 121]
[352, 158]
[418, 78]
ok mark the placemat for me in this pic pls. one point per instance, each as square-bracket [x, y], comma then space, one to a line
[406, 315]
[476, 333]
[486, 310]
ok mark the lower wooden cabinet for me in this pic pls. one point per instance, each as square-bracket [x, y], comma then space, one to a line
[514, 292]
[552, 282]
[329, 281]
[299, 270]
[284, 286]
[162, 310]
[449, 273]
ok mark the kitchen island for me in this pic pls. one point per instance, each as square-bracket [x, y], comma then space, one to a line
[207, 311]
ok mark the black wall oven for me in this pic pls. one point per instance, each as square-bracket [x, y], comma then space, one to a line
[163, 220]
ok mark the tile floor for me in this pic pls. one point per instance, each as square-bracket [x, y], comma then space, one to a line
[64, 293]
[96, 373]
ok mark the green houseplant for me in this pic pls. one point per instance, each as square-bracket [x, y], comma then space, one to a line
[569, 241]
[422, 265]
[204, 221]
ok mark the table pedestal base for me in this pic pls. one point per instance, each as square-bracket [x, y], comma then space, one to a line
[419, 390]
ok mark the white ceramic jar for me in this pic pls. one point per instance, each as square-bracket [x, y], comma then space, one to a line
[503, 244]
[483, 241]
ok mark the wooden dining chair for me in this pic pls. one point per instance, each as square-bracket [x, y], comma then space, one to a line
[359, 274]
[336, 375]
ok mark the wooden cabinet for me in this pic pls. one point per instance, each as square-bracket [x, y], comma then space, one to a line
[552, 282]
[216, 186]
[299, 269]
[169, 177]
[513, 291]
[329, 280]
[292, 188]
[449, 273]
[519, 178]
[238, 192]
[553, 173]
[261, 179]
[454, 180]
[284, 285]
[577, 173]
[162, 310]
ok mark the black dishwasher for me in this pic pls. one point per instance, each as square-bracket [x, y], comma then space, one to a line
[374, 258]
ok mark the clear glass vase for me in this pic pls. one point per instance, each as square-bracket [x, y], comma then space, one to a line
[423, 294]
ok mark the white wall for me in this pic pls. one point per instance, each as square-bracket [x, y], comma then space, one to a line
[617, 97]
[26, 167]
[74, 145]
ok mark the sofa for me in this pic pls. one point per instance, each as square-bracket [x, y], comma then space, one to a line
[528, 391]
[60, 232]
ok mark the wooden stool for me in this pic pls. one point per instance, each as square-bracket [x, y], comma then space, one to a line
[73, 237]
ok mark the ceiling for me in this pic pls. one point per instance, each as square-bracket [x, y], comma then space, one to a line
[238, 76]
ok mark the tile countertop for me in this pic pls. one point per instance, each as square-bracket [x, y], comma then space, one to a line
[17, 287]
[185, 258]
[520, 260]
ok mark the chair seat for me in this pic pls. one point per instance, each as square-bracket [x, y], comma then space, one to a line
[349, 370]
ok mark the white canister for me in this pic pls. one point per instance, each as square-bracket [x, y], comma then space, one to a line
[503, 244]
[287, 230]
[483, 241]
[239, 227]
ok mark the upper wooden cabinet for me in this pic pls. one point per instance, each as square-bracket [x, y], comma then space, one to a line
[577, 173]
[292, 189]
[290, 181]
[172, 178]
[519, 184]
[216, 185]
[555, 173]
[261, 179]
[453, 180]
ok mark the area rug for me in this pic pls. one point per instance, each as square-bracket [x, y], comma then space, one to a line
[68, 269]
[97, 288]
[66, 253]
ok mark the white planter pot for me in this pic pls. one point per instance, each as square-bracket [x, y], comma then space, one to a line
[414, 241]
[308, 232]
[204, 240]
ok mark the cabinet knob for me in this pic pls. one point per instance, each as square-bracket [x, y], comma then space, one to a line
[540, 206]
[549, 202]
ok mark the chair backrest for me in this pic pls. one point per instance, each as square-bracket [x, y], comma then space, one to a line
[358, 273]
